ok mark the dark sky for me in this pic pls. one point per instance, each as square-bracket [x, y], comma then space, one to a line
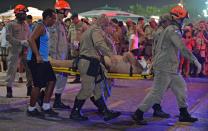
[83, 5]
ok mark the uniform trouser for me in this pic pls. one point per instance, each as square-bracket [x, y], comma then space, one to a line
[12, 61]
[163, 81]
[27, 70]
[61, 80]
[88, 85]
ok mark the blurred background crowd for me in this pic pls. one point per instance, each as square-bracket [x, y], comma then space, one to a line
[136, 37]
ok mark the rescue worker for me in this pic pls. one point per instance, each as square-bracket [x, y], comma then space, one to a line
[17, 34]
[91, 45]
[75, 32]
[58, 49]
[149, 30]
[166, 45]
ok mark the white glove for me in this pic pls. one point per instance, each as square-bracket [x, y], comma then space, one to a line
[198, 65]
[24, 43]
[76, 44]
[143, 63]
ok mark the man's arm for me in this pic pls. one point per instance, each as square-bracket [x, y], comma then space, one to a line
[177, 41]
[39, 30]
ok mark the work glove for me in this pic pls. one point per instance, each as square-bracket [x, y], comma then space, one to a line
[24, 43]
[198, 65]
[76, 44]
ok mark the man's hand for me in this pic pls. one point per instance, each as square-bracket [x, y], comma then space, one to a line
[39, 59]
[198, 65]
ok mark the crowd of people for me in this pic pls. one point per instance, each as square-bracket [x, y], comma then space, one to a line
[27, 46]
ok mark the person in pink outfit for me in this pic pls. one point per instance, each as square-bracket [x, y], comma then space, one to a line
[189, 43]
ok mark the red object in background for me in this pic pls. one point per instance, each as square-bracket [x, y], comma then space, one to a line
[110, 14]
[206, 62]
[62, 4]
[113, 14]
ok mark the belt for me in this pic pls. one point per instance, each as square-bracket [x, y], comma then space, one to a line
[88, 58]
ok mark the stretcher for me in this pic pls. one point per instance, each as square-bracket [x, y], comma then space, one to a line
[125, 67]
[108, 75]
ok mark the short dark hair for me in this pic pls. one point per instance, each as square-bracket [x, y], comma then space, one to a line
[191, 25]
[140, 18]
[48, 13]
[29, 17]
[120, 23]
[94, 17]
[114, 20]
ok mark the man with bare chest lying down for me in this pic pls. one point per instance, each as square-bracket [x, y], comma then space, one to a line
[122, 65]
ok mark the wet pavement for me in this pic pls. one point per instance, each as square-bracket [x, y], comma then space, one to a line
[126, 95]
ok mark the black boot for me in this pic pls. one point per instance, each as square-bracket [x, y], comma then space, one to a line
[107, 114]
[29, 90]
[185, 116]
[158, 112]
[76, 113]
[9, 92]
[138, 117]
[58, 104]
[94, 102]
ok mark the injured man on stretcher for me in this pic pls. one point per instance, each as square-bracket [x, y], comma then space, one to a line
[124, 64]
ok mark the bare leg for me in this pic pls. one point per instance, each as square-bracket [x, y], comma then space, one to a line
[49, 91]
[34, 96]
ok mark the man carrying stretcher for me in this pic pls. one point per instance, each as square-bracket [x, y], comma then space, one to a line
[91, 66]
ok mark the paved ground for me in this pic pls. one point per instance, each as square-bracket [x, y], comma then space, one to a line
[126, 96]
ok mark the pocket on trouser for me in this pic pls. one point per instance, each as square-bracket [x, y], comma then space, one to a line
[94, 68]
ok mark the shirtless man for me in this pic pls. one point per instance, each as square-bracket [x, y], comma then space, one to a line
[122, 64]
